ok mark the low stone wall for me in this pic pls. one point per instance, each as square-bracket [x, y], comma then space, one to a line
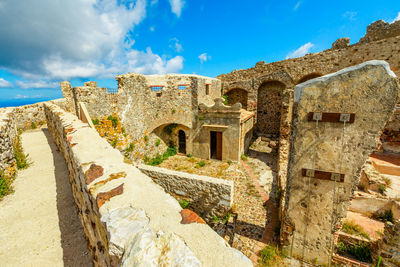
[8, 133]
[129, 220]
[207, 196]
[389, 248]
[32, 116]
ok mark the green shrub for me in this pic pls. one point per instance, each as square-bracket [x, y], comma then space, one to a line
[386, 216]
[201, 163]
[114, 120]
[173, 111]
[21, 158]
[95, 121]
[361, 251]
[169, 128]
[158, 142]
[244, 157]
[5, 188]
[226, 99]
[382, 188]
[270, 256]
[114, 142]
[33, 125]
[146, 138]
[189, 155]
[184, 204]
[171, 151]
[130, 147]
[352, 228]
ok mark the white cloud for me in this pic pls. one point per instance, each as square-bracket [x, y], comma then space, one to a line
[301, 51]
[37, 84]
[152, 29]
[397, 18]
[153, 2]
[4, 83]
[351, 15]
[75, 39]
[297, 5]
[204, 57]
[19, 96]
[176, 6]
[174, 44]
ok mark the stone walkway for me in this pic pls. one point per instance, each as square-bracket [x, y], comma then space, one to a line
[39, 224]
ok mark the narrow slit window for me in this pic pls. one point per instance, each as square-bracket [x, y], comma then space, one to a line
[156, 88]
[182, 87]
[207, 89]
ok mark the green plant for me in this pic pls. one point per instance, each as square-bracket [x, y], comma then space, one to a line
[173, 111]
[270, 256]
[122, 130]
[361, 251]
[171, 151]
[158, 142]
[184, 204]
[201, 163]
[146, 138]
[352, 228]
[388, 182]
[201, 118]
[386, 216]
[189, 155]
[21, 158]
[244, 157]
[114, 142]
[229, 161]
[130, 148]
[95, 121]
[382, 188]
[169, 128]
[33, 125]
[226, 99]
[5, 186]
[114, 120]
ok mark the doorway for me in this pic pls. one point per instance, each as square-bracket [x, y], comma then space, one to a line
[182, 142]
[216, 145]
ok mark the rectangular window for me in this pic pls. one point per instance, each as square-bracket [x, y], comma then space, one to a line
[156, 88]
[182, 87]
[207, 89]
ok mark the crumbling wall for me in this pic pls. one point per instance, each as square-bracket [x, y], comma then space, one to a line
[207, 196]
[389, 248]
[314, 206]
[379, 30]
[294, 71]
[8, 133]
[127, 218]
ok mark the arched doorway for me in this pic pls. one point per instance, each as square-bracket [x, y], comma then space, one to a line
[182, 142]
[309, 77]
[269, 106]
[238, 95]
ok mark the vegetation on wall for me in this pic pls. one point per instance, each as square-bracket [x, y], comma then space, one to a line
[157, 160]
[169, 128]
[386, 216]
[360, 251]
[352, 228]
[271, 256]
[21, 158]
[226, 99]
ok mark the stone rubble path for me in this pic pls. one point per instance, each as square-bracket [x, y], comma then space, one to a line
[39, 224]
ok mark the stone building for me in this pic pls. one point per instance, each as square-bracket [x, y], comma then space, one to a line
[184, 110]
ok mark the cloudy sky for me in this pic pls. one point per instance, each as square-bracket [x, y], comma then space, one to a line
[43, 42]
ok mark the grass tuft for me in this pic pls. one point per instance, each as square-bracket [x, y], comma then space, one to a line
[21, 158]
[352, 228]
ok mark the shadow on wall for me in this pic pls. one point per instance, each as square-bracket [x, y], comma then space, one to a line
[73, 243]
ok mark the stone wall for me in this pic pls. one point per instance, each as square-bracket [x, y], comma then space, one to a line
[207, 196]
[127, 218]
[8, 133]
[32, 116]
[381, 42]
[389, 248]
[314, 207]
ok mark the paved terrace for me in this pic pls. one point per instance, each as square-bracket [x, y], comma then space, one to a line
[39, 224]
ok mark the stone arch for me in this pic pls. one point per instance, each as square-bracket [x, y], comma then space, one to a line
[269, 107]
[309, 77]
[238, 95]
[168, 133]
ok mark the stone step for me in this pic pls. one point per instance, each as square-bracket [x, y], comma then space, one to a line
[386, 163]
[348, 261]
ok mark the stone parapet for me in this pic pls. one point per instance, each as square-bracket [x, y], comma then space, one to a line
[208, 196]
[129, 220]
[8, 133]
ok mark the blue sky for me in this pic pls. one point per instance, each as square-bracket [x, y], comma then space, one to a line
[43, 42]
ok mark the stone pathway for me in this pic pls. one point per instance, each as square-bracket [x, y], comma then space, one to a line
[39, 224]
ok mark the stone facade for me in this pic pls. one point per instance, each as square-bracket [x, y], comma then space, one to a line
[389, 248]
[314, 207]
[380, 43]
[128, 220]
[8, 133]
[207, 196]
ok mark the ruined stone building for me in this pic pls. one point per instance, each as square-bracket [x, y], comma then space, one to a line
[185, 110]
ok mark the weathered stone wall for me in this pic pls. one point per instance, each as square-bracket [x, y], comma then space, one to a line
[208, 196]
[389, 248]
[30, 116]
[382, 42]
[219, 118]
[127, 218]
[8, 133]
[314, 207]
